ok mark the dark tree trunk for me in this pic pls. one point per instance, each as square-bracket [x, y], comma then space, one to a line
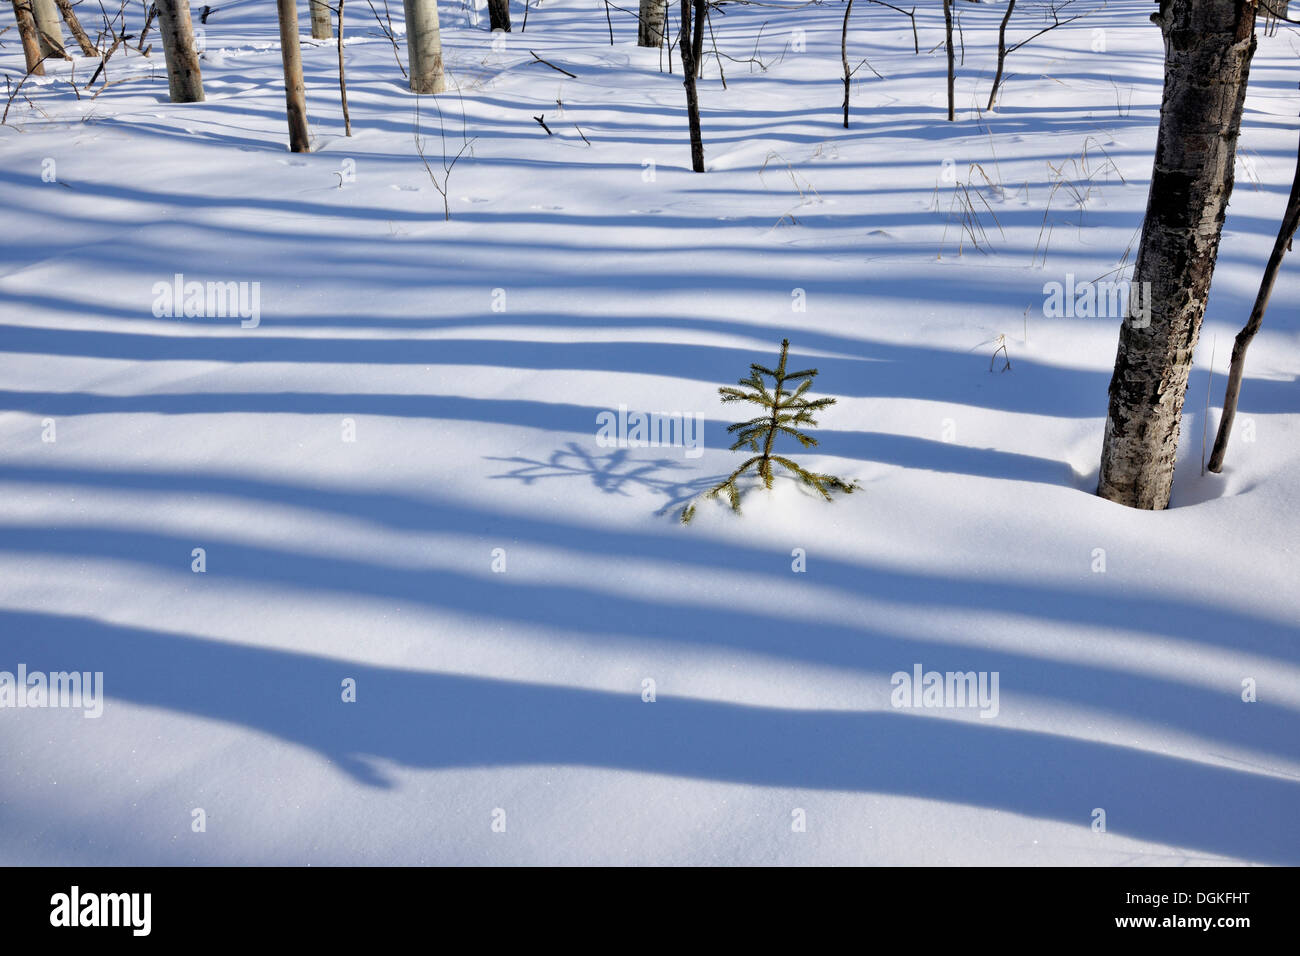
[1290, 222]
[184, 82]
[697, 39]
[1208, 48]
[1002, 53]
[295, 97]
[952, 68]
[844, 58]
[499, 15]
[692, 101]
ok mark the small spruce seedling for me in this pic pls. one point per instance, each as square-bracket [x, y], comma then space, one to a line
[784, 410]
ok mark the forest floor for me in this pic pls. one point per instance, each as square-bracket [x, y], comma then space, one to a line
[387, 466]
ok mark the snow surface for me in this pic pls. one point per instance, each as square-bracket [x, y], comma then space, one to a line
[970, 546]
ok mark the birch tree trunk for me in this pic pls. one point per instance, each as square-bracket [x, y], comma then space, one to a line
[424, 46]
[295, 96]
[27, 33]
[499, 15]
[1208, 48]
[184, 81]
[320, 20]
[74, 25]
[651, 23]
[48, 28]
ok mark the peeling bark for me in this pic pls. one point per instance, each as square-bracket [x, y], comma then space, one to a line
[1208, 48]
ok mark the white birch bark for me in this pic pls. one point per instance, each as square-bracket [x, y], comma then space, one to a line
[1208, 48]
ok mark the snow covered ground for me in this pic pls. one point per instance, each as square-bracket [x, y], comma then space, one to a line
[499, 713]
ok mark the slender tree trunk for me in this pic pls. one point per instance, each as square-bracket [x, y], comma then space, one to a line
[697, 38]
[295, 94]
[1272, 12]
[692, 101]
[1002, 54]
[46, 14]
[844, 58]
[343, 81]
[184, 81]
[31, 41]
[424, 46]
[1208, 48]
[144, 31]
[952, 69]
[74, 27]
[320, 20]
[1290, 222]
[499, 15]
[651, 23]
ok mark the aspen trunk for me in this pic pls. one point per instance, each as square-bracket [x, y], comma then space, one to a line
[1290, 223]
[320, 20]
[652, 23]
[295, 96]
[692, 100]
[184, 81]
[48, 29]
[74, 26]
[424, 46]
[27, 33]
[1208, 48]
[499, 15]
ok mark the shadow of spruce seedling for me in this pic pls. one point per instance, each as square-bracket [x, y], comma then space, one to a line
[613, 473]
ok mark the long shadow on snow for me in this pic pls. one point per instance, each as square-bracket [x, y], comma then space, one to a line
[607, 617]
[432, 720]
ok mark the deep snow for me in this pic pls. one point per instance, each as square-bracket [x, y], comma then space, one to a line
[627, 280]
